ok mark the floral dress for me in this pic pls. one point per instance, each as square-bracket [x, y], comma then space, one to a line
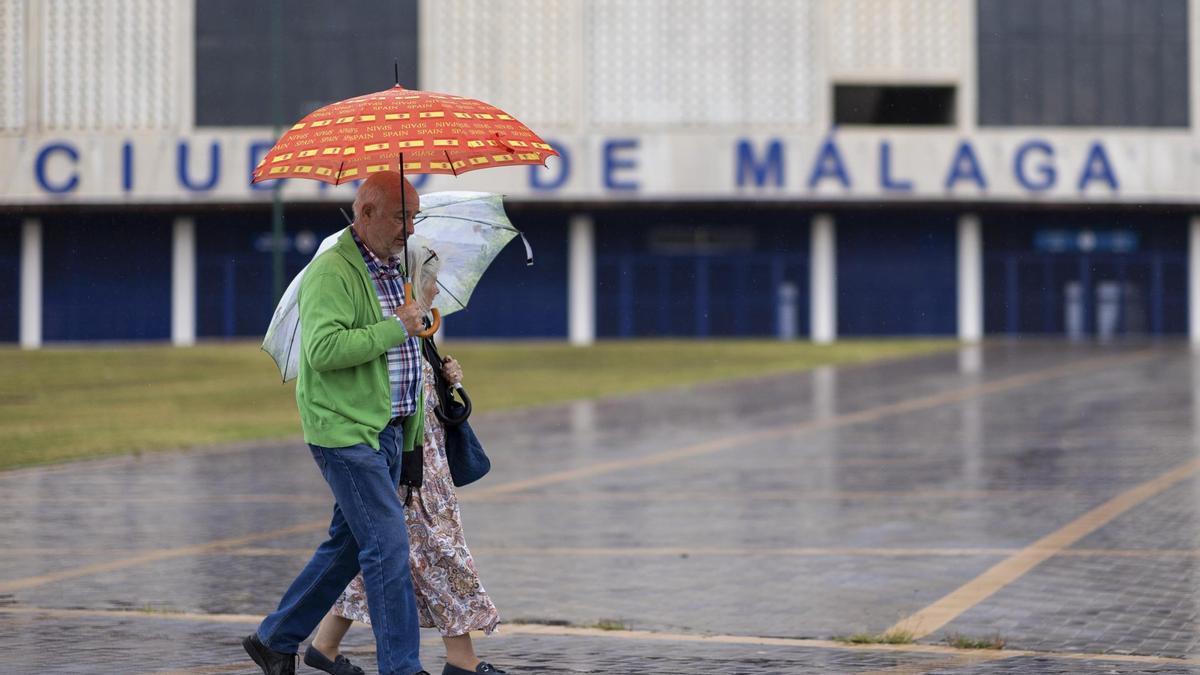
[449, 594]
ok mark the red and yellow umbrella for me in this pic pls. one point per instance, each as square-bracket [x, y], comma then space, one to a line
[401, 130]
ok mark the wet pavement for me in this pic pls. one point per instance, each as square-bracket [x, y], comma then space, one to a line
[1044, 493]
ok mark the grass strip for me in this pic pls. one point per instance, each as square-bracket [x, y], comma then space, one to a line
[60, 404]
[961, 641]
[895, 637]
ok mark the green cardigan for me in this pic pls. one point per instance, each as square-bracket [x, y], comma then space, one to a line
[342, 390]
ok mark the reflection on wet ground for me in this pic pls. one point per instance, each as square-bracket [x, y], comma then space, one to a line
[1044, 493]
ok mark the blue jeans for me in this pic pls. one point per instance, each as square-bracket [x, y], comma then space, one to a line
[368, 533]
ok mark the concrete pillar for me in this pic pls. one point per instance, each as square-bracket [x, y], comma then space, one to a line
[823, 280]
[1194, 281]
[970, 278]
[581, 273]
[30, 319]
[183, 283]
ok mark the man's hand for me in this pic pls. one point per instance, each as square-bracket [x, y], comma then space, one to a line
[451, 370]
[410, 314]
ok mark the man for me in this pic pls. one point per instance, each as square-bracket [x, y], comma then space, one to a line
[360, 399]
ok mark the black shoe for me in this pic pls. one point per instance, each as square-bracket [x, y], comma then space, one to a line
[271, 661]
[341, 665]
[483, 667]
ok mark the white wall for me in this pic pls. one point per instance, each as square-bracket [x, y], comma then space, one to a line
[83, 66]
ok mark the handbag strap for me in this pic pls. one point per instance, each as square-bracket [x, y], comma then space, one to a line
[442, 386]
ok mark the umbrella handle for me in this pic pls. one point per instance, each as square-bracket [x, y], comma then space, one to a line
[437, 316]
[433, 327]
[463, 414]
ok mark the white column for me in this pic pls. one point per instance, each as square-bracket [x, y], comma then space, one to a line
[183, 283]
[1194, 281]
[970, 278]
[1193, 14]
[31, 284]
[968, 97]
[823, 280]
[581, 272]
[183, 53]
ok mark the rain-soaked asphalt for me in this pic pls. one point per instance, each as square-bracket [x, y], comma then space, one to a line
[1038, 492]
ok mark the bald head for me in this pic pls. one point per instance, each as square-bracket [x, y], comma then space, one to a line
[383, 212]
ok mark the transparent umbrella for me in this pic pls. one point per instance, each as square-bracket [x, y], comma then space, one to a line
[466, 230]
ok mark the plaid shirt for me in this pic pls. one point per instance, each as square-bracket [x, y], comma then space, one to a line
[404, 360]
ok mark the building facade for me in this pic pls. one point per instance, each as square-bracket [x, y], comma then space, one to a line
[812, 168]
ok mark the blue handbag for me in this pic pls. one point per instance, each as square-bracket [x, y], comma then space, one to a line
[464, 453]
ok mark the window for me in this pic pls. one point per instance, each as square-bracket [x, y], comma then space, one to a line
[1083, 63]
[893, 105]
[333, 51]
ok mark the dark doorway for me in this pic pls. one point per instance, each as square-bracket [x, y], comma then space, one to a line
[1097, 277]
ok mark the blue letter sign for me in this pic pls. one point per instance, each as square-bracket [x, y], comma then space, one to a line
[1097, 167]
[612, 164]
[965, 167]
[829, 164]
[39, 167]
[1045, 169]
[214, 172]
[885, 171]
[770, 168]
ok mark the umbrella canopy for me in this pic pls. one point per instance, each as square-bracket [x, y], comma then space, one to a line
[466, 230]
[434, 133]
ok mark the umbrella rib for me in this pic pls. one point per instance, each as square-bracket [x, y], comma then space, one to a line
[450, 162]
[338, 179]
[288, 359]
[473, 220]
[460, 302]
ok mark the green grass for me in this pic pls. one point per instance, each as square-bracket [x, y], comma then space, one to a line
[896, 637]
[964, 642]
[60, 404]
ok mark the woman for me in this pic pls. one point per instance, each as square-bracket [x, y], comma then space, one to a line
[449, 595]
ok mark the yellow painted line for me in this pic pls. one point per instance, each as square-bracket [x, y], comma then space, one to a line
[568, 631]
[803, 552]
[789, 495]
[680, 551]
[601, 468]
[632, 635]
[126, 614]
[1130, 552]
[265, 498]
[154, 555]
[270, 552]
[48, 551]
[816, 552]
[652, 552]
[1014, 567]
[792, 495]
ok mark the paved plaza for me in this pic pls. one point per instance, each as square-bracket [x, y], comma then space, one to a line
[1039, 493]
